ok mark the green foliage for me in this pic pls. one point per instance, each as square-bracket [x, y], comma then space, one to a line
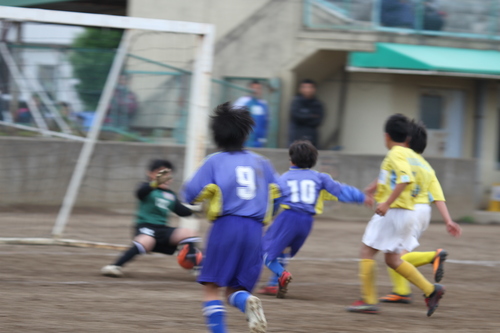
[94, 50]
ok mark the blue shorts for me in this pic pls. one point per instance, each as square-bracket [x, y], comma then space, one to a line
[289, 229]
[233, 255]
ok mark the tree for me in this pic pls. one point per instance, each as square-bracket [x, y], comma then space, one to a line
[91, 58]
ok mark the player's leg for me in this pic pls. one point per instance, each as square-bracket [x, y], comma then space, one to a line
[271, 288]
[247, 274]
[213, 309]
[432, 292]
[212, 277]
[373, 237]
[436, 258]
[277, 238]
[233, 258]
[184, 236]
[302, 224]
[141, 244]
[367, 275]
[401, 290]
[250, 305]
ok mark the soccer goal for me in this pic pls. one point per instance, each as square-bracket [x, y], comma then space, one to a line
[86, 101]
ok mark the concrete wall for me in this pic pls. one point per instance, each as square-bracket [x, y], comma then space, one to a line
[35, 172]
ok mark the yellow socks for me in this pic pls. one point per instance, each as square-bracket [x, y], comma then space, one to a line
[367, 271]
[400, 285]
[418, 259]
[412, 274]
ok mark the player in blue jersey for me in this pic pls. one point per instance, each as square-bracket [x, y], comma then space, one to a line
[260, 114]
[241, 187]
[307, 191]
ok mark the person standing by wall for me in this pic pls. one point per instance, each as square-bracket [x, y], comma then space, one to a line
[260, 114]
[123, 107]
[306, 113]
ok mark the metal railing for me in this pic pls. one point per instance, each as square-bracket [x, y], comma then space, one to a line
[454, 18]
[153, 105]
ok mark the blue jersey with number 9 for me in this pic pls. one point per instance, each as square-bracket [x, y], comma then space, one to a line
[308, 189]
[239, 183]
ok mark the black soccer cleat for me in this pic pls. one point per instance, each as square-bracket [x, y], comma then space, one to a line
[438, 264]
[433, 300]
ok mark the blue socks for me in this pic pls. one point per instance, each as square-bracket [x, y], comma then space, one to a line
[283, 261]
[214, 314]
[275, 266]
[239, 299]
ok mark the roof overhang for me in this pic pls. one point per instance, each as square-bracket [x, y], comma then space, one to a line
[426, 60]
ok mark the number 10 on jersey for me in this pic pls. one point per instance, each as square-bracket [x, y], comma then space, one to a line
[305, 193]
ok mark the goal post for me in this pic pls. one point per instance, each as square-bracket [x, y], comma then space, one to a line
[92, 136]
[198, 104]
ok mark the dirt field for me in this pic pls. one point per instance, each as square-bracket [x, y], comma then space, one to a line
[59, 289]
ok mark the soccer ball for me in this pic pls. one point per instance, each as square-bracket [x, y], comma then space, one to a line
[185, 262]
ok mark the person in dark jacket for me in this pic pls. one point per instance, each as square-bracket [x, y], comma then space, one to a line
[397, 13]
[306, 114]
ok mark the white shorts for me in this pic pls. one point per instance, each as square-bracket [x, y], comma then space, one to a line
[423, 213]
[393, 232]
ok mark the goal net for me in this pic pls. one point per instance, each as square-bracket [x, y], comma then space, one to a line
[86, 101]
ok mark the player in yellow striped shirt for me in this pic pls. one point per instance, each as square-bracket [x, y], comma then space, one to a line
[427, 190]
[391, 229]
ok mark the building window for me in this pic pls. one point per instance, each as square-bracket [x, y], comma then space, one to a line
[432, 111]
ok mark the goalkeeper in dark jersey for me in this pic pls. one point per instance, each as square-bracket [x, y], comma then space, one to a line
[152, 230]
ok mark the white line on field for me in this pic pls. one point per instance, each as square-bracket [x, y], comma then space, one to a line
[486, 263]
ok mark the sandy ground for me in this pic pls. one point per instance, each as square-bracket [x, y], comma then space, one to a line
[59, 289]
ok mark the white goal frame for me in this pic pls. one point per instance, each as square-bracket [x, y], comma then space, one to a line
[196, 136]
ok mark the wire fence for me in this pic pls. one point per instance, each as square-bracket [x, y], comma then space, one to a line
[455, 18]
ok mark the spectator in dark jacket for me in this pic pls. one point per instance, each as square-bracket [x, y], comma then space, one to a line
[397, 13]
[306, 114]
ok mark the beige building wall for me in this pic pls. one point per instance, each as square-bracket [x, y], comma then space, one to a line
[226, 15]
[266, 38]
[373, 97]
[489, 172]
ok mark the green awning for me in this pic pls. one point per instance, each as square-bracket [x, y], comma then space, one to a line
[427, 58]
[22, 3]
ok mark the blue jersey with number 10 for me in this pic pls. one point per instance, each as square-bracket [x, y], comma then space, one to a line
[308, 189]
[238, 183]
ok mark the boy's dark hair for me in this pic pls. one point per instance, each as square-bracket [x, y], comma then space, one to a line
[231, 126]
[398, 127]
[308, 81]
[418, 140]
[303, 154]
[254, 82]
[156, 164]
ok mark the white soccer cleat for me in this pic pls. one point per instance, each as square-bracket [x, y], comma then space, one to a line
[112, 270]
[255, 315]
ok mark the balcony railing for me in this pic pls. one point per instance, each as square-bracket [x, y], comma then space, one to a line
[457, 18]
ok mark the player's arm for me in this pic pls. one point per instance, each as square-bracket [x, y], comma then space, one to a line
[343, 192]
[277, 190]
[383, 207]
[404, 176]
[436, 195]
[452, 227]
[199, 187]
[181, 210]
[370, 189]
[144, 189]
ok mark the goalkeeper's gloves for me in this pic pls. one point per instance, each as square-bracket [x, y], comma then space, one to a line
[162, 177]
